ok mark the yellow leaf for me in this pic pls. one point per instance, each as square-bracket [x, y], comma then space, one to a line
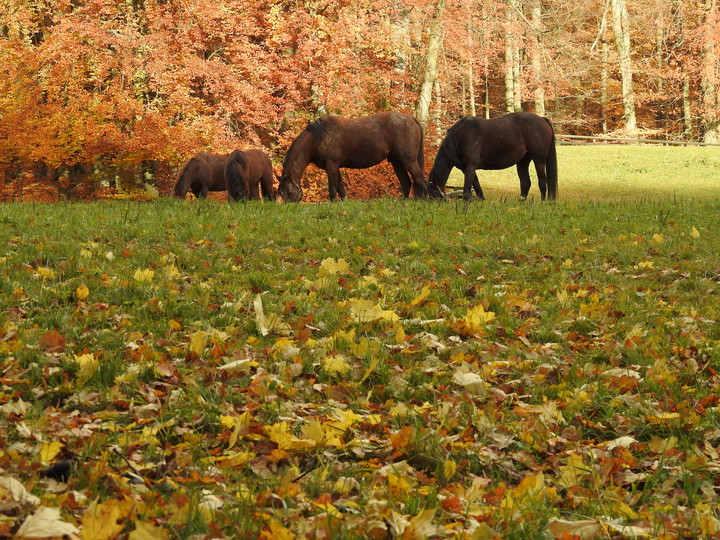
[45, 272]
[100, 521]
[48, 451]
[449, 469]
[88, 365]
[695, 233]
[275, 531]
[571, 473]
[366, 311]
[147, 531]
[397, 485]
[476, 318]
[658, 238]
[329, 267]
[144, 276]
[82, 292]
[373, 364]
[399, 332]
[197, 342]
[421, 297]
[280, 434]
[335, 365]
[172, 272]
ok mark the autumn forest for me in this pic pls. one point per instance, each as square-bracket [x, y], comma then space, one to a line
[104, 93]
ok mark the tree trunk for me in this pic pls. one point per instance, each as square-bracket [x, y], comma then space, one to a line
[471, 71]
[621, 32]
[537, 62]
[512, 59]
[604, 78]
[710, 74]
[686, 104]
[422, 110]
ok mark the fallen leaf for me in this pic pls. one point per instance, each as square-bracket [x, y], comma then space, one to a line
[45, 523]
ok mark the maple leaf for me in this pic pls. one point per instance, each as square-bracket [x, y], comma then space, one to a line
[335, 365]
[330, 267]
[100, 521]
[367, 311]
[88, 365]
[144, 276]
[46, 523]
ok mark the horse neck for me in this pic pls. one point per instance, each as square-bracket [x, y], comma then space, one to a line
[298, 156]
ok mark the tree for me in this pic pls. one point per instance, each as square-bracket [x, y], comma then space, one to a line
[431, 59]
[621, 32]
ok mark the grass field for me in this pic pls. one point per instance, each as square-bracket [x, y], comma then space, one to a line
[618, 173]
[384, 369]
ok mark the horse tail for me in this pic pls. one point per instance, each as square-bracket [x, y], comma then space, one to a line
[233, 179]
[421, 150]
[182, 184]
[551, 166]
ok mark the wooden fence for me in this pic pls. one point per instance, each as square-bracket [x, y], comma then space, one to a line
[588, 139]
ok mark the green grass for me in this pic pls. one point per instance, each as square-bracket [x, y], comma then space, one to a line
[378, 396]
[617, 173]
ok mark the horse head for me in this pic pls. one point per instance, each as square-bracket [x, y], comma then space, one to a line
[289, 189]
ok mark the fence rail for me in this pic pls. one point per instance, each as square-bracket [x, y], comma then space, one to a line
[576, 139]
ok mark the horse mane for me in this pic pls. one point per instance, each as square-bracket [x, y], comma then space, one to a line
[447, 155]
[234, 182]
[320, 127]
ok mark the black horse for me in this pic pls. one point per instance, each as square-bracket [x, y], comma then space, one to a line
[332, 143]
[248, 172]
[513, 139]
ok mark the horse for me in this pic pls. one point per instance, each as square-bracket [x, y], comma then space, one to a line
[202, 173]
[246, 173]
[498, 143]
[332, 143]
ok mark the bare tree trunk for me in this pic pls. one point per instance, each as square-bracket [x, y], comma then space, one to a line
[401, 46]
[621, 32]
[471, 71]
[422, 109]
[537, 62]
[678, 17]
[604, 78]
[512, 59]
[686, 103]
[710, 74]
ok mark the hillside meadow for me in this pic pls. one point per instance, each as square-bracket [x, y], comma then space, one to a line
[368, 369]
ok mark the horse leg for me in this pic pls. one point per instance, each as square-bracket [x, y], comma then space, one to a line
[542, 177]
[403, 177]
[333, 175]
[523, 173]
[341, 186]
[471, 181]
[478, 189]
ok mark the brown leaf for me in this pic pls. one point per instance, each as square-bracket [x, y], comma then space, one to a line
[53, 342]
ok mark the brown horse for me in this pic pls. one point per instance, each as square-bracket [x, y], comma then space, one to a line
[513, 139]
[246, 173]
[332, 143]
[202, 173]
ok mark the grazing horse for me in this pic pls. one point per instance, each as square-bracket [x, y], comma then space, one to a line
[332, 143]
[202, 173]
[246, 173]
[513, 139]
